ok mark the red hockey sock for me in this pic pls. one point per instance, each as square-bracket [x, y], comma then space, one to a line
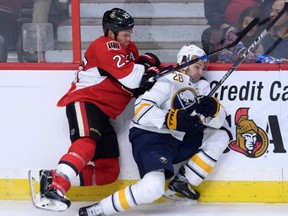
[106, 170]
[79, 154]
[86, 176]
[60, 182]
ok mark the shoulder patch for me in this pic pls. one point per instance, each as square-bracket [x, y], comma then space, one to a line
[113, 45]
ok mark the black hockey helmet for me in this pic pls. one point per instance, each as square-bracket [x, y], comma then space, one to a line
[117, 19]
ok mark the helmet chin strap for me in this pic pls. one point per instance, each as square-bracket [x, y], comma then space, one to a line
[114, 33]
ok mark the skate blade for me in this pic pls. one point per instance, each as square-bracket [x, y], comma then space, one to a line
[51, 205]
[176, 196]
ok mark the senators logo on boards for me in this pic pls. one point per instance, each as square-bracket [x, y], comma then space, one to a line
[251, 140]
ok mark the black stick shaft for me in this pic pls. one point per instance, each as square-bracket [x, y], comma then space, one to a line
[249, 49]
[171, 68]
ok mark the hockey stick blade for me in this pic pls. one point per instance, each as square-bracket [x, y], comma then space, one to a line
[252, 45]
[40, 202]
[171, 68]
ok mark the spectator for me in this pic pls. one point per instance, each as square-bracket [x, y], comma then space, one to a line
[275, 43]
[41, 9]
[3, 49]
[235, 52]
[100, 92]
[165, 132]
[247, 16]
[222, 14]
[9, 14]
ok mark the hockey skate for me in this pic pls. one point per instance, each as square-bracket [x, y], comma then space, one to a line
[51, 193]
[45, 177]
[92, 210]
[47, 199]
[179, 188]
[56, 199]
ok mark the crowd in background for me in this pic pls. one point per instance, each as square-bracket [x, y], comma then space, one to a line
[13, 14]
[227, 18]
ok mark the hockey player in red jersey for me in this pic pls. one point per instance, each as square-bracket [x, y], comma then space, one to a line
[100, 91]
[174, 123]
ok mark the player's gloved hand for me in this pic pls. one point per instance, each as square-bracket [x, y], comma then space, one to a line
[147, 82]
[148, 60]
[207, 106]
[182, 120]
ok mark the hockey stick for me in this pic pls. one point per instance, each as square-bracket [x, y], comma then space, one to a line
[249, 49]
[268, 52]
[260, 24]
[171, 68]
[276, 43]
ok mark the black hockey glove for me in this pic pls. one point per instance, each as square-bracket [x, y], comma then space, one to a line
[207, 106]
[148, 60]
[146, 82]
[182, 120]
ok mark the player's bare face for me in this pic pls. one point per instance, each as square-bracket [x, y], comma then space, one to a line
[196, 70]
[124, 37]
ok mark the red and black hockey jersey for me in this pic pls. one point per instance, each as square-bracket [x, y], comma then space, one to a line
[107, 77]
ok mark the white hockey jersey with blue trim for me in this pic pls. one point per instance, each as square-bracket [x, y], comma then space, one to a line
[175, 90]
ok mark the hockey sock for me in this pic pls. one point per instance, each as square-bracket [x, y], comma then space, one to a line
[198, 167]
[148, 189]
[106, 170]
[79, 154]
[60, 182]
[87, 176]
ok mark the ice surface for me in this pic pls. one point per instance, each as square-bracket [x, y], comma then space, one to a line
[171, 208]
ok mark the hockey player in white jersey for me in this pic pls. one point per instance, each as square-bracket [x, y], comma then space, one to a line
[173, 122]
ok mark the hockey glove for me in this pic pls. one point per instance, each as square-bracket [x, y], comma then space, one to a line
[146, 82]
[207, 106]
[181, 120]
[148, 60]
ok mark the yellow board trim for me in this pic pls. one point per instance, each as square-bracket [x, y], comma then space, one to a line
[211, 191]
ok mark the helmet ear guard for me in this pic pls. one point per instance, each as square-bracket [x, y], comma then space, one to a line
[116, 20]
